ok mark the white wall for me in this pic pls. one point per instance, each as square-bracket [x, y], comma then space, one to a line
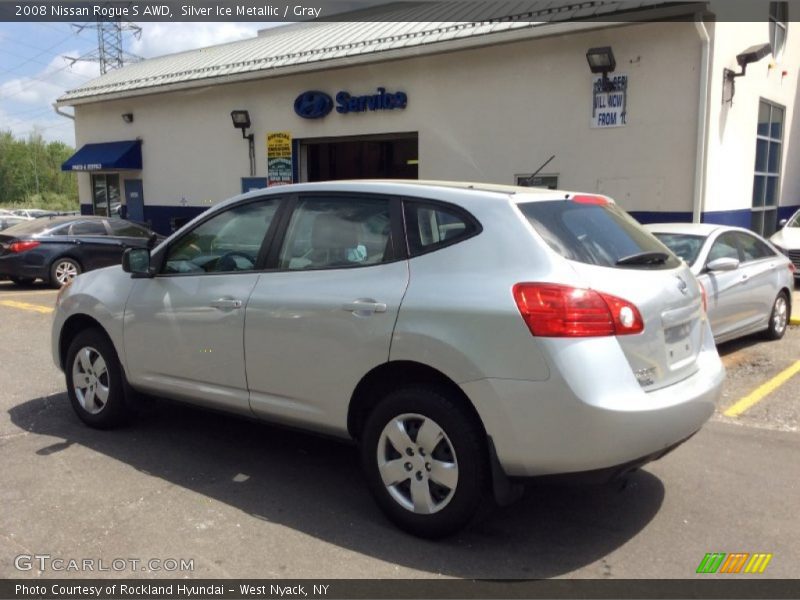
[482, 114]
[732, 127]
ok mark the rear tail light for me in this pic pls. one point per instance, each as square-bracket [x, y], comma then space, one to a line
[16, 247]
[554, 310]
[792, 268]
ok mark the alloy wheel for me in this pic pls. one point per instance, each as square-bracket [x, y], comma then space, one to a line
[65, 271]
[779, 314]
[417, 463]
[90, 380]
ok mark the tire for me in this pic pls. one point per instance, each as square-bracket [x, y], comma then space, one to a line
[95, 381]
[450, 488]
[22, 280]
[64, 270]
[778, 318]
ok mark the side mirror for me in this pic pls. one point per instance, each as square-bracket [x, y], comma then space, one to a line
[783, 222]
[136, 261]
[723, 264]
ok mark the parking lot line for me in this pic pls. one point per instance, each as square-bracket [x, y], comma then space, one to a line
[26, 306]
[18, 292]
[763, 391]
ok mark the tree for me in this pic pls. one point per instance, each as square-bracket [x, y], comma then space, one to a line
[30, 173]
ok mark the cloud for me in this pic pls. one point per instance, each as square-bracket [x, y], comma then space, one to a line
[52, 127]
[26, 101]
[46, 85]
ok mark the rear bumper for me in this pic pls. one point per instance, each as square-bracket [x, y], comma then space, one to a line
[18, 265]
[587, 417]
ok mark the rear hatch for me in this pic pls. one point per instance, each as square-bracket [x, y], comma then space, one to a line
[612, 254]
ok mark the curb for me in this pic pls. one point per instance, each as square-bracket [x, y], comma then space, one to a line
[794, 321]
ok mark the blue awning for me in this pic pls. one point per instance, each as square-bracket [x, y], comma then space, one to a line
[111, 156]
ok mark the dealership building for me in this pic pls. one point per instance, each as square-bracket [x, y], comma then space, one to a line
[674, 111]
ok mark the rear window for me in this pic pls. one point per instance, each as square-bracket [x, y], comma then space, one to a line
[31, 227]
[684, 245]
[597, 234]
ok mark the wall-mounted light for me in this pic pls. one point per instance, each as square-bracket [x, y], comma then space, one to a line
[241, 120]
[601, 60]
[127, 117]
[751, 55]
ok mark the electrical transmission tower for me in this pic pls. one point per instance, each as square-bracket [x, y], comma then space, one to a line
[110, 53]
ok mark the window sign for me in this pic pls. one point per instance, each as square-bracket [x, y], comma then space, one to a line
[609, 101]
[279, 158]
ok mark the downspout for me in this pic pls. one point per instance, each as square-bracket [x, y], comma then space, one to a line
[63, 114]
[702, 122]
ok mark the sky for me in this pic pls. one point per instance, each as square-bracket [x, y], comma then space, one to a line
[34, 72]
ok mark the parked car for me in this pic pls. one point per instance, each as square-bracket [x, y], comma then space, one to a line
[9, 220]
[57, 249]
[787, 240]
[463, 335]
[748, 282]
[33, 213]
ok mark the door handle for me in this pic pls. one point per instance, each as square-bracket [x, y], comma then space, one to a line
[226, 304]
[366, 306]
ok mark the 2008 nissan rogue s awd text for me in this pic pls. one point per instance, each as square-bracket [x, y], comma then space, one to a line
[463, 334]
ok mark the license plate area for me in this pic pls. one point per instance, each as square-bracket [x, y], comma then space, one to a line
[679, 345]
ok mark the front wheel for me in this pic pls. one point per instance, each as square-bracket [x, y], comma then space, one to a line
[778, 318]
[63, 271]
[425, 461]
[95, 382]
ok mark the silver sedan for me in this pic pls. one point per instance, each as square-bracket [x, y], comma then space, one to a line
[747, 280]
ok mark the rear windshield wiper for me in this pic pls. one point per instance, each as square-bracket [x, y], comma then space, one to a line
[644, 258]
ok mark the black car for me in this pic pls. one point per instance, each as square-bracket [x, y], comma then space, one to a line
[57, 249]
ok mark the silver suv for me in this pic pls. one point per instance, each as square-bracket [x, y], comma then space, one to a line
[464, 335]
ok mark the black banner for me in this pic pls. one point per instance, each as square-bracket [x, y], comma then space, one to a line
[373, 10]
[378, 589]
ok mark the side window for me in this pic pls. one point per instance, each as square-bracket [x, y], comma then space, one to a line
[87, 228]
[226, 243]
[431, 226]
[331, 233]
[752, 248]
[724, 247]
[124, 228]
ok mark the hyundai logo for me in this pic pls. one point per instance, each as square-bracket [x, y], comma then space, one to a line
[313, 104]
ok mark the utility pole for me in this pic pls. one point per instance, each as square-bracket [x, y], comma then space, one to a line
[110, 53]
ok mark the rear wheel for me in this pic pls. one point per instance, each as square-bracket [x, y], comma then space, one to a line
[95, 383]
[63, 271]
[425, 461]
[778, 318]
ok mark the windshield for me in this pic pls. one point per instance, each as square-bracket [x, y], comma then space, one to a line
[597, 233]
[794, 221]
[683, 244]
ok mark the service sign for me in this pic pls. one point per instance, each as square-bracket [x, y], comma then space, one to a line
[279, 158]
[609, 106]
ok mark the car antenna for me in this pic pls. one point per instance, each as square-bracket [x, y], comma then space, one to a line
[537, 171]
